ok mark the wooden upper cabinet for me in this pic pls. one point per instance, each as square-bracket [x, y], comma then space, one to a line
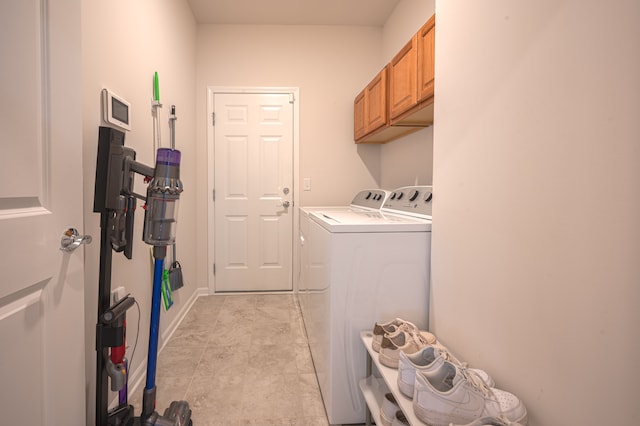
[375, 102]
[426, 59]
[370, 107]
[399, 100]
[403, 79]
[411, 75]
[359, 129]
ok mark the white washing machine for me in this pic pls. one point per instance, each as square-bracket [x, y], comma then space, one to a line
[360, 266]
[365, 200]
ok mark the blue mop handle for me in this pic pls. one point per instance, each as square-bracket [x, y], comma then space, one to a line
[158, 270]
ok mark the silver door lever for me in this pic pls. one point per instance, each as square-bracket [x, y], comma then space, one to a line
[71, 240]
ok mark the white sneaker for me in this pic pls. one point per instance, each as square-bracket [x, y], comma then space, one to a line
[490, 421]
[402, 341]
[429, 358]
[454, 394]
[388, 409]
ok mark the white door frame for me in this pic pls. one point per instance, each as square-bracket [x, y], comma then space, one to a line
[211, 91]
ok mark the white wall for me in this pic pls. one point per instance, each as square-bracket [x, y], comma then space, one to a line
[408, 160]
[124, 43]
[329, 65]
[536, 237]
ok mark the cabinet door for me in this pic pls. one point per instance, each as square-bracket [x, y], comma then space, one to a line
[358, 117]
[403, 93]
[426, 55]
[375, 103]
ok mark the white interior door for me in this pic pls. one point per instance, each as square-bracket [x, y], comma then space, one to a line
[253, 180]
[41, 290]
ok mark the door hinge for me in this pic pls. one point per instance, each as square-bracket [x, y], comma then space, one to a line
[213, 195]
[214, 269]
[213, 118]
[292, 98]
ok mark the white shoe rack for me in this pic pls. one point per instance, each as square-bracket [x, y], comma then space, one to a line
[374, 387]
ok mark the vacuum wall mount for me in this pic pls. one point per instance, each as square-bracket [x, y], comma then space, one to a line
[115, 200]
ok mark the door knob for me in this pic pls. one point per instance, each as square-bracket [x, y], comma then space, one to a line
[284, 204]
[71, 240]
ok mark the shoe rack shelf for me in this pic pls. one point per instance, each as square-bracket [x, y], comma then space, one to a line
[373, 388]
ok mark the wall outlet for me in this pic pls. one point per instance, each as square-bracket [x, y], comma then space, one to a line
[306, 184]
[117, 294]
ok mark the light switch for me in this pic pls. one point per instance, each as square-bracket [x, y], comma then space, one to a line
[306, 184]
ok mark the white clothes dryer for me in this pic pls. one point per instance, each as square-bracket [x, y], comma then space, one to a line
[359, 267]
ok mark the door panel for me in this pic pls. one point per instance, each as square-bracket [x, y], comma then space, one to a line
[23, 344]
[25, 103]
[41, 291]
[253, 154]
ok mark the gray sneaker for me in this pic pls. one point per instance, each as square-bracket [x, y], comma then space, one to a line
[381, 329]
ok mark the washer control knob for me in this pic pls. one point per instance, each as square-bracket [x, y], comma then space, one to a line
[414, 195]
[428, 196]
[368, 196]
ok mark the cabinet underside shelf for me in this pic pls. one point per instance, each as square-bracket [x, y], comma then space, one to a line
[409, 122]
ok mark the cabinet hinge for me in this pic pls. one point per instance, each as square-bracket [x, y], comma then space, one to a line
[213, 195]
[213, 118]
[292, 98]
[214, 269]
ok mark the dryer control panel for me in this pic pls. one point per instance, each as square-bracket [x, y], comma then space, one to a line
[413, 200]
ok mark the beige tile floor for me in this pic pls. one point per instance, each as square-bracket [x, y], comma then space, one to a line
[241, 360]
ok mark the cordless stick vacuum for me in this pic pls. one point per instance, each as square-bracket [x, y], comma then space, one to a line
[115, 200]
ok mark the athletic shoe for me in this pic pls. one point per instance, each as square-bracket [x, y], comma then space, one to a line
[454, 394]
[400, 419]
[388, 409]
[380, 329]
[392, 327]
[429, 358]
[402, 341]
[490, 421]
